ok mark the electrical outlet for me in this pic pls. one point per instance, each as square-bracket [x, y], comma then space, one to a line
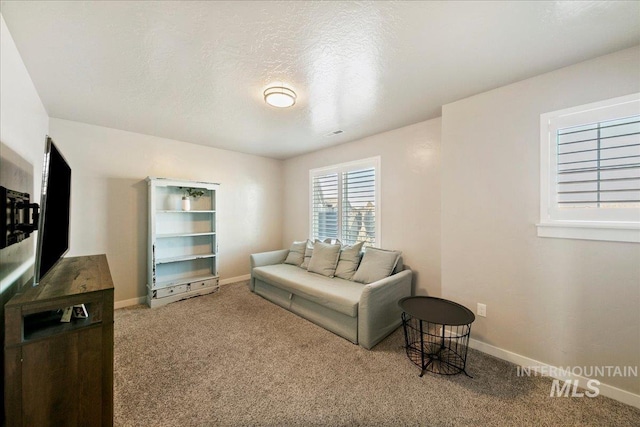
[482, 310]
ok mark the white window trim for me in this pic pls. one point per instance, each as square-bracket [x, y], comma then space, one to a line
[370, 162]
[610, 228]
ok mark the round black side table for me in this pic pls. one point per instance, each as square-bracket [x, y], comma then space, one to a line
[436, 334]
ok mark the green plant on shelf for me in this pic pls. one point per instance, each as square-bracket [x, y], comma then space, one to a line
[193, 193]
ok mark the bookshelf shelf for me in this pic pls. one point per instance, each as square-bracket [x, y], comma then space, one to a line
[183, 258]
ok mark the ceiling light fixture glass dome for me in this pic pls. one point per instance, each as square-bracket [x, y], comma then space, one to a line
[279, 96]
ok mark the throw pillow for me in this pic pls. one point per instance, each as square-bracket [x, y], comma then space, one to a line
[309, 251]
[307, 254]
[348, 261]
[324, 259]
[376, 264]
[296, 253]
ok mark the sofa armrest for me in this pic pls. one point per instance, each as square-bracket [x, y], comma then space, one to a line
[378, 310]
[266, 258]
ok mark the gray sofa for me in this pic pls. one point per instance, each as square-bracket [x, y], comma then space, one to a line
[362, 313]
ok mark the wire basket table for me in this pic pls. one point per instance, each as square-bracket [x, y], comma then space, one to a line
[436, 334]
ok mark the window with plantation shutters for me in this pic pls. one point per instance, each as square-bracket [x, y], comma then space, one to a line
[345, 202]
[590, 171]
[325, 206]
[359, 206]
[599, 164]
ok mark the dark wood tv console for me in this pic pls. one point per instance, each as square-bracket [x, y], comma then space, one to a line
[61, 373]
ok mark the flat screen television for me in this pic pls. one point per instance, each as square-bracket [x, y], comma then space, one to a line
[55, 203]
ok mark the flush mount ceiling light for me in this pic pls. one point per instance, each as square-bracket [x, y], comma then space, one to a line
[279, 96]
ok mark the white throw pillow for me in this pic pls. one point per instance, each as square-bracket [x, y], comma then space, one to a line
[324, 259]
[376, 264]
[296, 253]
[348, 261]
[308, 252]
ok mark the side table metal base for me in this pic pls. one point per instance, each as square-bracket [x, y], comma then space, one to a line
[436, 348]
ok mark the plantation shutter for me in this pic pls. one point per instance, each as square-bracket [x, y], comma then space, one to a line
[598, 165]
[359, 206]
[325, 206]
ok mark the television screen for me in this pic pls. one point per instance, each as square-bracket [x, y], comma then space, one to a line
[53, 227]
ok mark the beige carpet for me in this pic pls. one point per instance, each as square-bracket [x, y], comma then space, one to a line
[233, 358]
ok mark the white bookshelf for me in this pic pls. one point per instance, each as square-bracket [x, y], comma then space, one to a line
[183, 244]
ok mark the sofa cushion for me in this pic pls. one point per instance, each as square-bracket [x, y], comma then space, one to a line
[349, 261]
[324, 259]
[337, 294]
[296, 253]
[376, 264]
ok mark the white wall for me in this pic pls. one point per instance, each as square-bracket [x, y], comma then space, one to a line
[23, 120]
[410, 194]
[109, 197]
[23, 126]
[561, 302]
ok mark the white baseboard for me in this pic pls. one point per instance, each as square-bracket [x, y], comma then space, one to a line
[129, 302]
[612, 392]
[235, 279]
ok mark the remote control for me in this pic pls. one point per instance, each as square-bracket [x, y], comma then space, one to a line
[66, 315]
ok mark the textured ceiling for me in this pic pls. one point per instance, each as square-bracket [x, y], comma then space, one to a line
[195, 71]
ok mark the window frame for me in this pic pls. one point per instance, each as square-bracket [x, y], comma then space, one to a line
[340, 169]
[610, 224]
